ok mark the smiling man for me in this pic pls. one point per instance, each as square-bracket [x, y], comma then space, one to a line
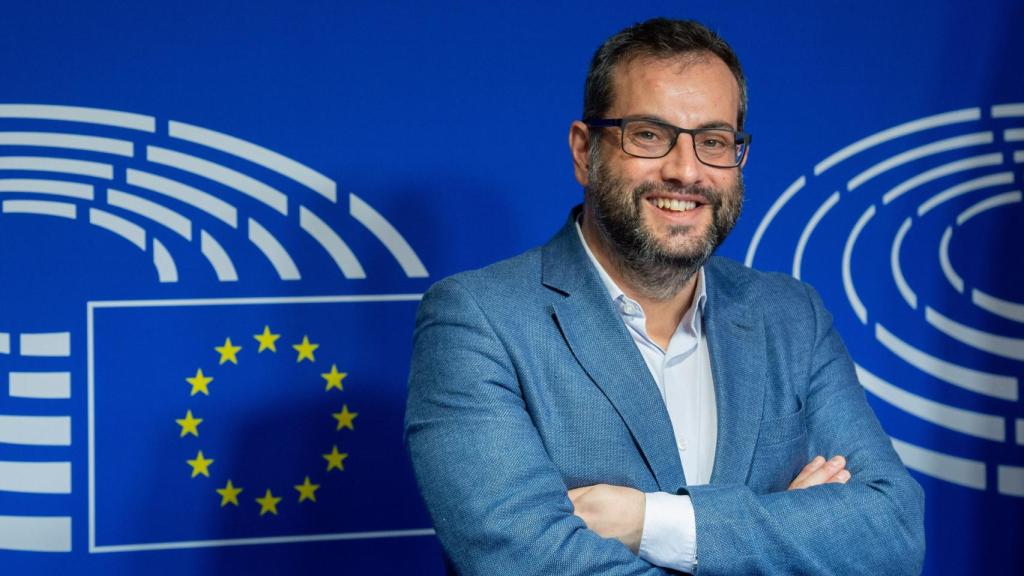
[619, 401]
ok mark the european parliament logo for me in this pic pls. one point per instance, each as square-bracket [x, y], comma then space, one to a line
[176, 377]
[914, 234]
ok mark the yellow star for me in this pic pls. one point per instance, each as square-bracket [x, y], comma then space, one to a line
[266, 340]
[189, 425]
[334, 377]
[268, 503]
[199, 382]
[227, 352]
[307, 490]
[335, 459]
[345, 418]
[229, 494]
[200, 465]
[305, 349]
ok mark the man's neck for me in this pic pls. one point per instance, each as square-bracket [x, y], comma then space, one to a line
[662, 314]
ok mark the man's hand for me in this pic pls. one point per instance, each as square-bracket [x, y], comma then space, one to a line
[818, 471]
[612, 511]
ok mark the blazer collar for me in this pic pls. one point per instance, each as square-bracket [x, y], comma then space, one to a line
[736, 340]
[602, 345]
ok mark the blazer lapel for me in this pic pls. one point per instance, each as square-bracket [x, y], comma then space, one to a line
[736, 340]
[601, 343]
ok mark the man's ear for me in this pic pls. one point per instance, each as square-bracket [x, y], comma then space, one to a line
[579, 146]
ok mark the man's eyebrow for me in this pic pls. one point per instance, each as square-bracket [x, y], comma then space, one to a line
[719, 124]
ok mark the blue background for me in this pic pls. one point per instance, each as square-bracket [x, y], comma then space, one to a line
[451, 120]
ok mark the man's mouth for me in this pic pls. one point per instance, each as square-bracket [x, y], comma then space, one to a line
[673, 204]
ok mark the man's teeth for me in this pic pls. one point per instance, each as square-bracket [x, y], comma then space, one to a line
[673, 204]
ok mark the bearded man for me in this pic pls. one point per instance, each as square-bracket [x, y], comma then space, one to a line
[620, 401]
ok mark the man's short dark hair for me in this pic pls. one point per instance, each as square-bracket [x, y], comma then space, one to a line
[655, 38]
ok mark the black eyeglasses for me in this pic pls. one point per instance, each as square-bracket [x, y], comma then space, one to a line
[644, 138]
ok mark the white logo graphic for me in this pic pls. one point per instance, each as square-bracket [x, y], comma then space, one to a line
[198, 204]
[917, 187]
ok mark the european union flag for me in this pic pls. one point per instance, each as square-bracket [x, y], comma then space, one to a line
[248, 421]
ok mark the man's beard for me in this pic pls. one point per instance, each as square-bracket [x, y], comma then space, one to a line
[654, 270]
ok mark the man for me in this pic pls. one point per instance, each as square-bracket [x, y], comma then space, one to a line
[619, 402]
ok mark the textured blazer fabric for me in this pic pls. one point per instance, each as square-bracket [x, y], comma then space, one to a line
[525, 383]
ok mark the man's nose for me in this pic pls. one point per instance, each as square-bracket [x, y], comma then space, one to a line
[681, 164]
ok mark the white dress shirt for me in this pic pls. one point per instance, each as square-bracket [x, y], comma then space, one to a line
[683, 375]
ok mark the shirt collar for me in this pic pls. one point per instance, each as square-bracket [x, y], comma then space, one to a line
[629, 307]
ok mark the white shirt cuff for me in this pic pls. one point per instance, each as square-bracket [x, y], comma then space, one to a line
[670, 532]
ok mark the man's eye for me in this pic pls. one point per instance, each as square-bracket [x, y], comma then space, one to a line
[647, 135]
[713, 142]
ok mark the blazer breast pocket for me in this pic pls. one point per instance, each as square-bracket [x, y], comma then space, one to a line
[781, 452]
[783, 429]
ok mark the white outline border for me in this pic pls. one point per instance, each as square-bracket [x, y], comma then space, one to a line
[91, 306]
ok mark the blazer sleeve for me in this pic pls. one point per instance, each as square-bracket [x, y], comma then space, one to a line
[873, 524]
[497, 501]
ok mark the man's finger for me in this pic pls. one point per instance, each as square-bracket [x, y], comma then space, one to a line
[810, 468]
[822, 474]
[841, 477]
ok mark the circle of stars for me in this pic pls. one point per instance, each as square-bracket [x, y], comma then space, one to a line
[200, 384]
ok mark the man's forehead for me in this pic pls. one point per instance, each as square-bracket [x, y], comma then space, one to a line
[644, 77]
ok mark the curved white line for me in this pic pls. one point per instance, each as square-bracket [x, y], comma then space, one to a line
[1010, 480]
[256, 154]
[773, 211]
[988, 204]
[48, 344]
[999, 345]
[805, 236]
[997, 306]
[1013, 135]
[61, 165]
[55, 187]
[897, 270]
[114, 118]
[877, 138]
[274, 251]
[36, 430]
[335, 246]
[5, 343]
[994, 385]
[68, 141]
[129, 231]
[42, 207]
[226, 176]
[166, 269]
[902, 158]
[851, 291]
[962, 471]
[388, 235]
[1008, 110]
[35, 477]
[196, 198]
[1018, 157]
[982, 161]
[39, 385]
[1020, 431]
[149, 209]
[998, 179]
[947, 266]
[35, 533]
[977, 424]
[218, 258]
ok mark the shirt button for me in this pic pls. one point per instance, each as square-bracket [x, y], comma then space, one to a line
[631, 309]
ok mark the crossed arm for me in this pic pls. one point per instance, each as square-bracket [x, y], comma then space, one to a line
[617, 512]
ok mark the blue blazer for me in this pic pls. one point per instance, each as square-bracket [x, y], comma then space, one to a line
[525, 383]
